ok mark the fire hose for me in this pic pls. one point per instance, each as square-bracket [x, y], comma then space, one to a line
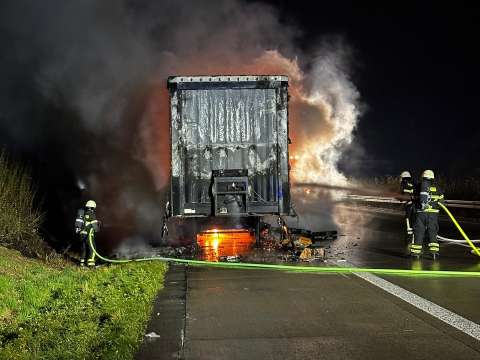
[472, 245]
[294, 268]
[458, 242]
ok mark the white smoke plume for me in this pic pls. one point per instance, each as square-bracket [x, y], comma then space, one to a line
[325, 134]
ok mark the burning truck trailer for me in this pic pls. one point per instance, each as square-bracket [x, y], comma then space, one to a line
[230, 162]
[229, 155]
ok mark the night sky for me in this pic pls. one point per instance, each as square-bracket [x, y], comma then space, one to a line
[417, 69]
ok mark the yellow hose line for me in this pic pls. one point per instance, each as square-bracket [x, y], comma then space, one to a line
[292, 268]
[475, 249]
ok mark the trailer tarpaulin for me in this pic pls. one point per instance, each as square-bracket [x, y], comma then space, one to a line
[224, 125]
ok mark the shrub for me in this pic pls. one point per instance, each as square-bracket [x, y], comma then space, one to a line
[20, 217]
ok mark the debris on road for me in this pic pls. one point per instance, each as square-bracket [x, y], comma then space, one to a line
[231, 258]
[311, 254]
[302, 242]
[152, 335]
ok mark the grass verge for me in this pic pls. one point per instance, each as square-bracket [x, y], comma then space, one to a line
[64, 312]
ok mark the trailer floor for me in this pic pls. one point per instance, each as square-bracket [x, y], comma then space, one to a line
[256, 314]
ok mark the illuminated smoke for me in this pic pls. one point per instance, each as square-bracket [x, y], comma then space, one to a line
[325, 116]
[100, 67]
[324, 111]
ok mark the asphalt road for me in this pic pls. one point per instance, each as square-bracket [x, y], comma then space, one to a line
[210, 313]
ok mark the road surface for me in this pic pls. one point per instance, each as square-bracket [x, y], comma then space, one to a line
[210, 313]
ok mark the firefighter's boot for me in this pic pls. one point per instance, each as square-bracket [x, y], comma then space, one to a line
[415, 250]
[434, 249]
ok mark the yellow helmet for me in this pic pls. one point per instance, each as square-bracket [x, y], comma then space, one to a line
[405, 174]
[428, 174]
[91, 204]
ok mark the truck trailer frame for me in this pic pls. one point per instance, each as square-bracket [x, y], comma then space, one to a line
[229, 146]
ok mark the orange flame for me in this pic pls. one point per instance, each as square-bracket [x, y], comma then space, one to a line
[217, 243]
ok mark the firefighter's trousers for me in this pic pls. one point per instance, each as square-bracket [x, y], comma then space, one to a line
[409, 217]
[426, 227]
[86, 252]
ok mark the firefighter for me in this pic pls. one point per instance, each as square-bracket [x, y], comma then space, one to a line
[427, 197]
[407, 188]
[86, 226]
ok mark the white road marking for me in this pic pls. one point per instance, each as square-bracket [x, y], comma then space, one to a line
[459, 322]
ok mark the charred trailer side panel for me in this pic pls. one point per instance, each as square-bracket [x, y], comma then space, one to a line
[229, 146]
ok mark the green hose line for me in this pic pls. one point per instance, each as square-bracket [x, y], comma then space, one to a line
[91, 234]
[293, 268]
[475, 249]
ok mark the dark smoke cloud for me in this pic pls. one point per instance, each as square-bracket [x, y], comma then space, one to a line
[84, 89]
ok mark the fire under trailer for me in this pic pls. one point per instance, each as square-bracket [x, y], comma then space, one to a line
[229, 147]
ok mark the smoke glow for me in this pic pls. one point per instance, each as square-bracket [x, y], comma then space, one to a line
[322, 117]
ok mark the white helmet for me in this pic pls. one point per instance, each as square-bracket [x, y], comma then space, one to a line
[91, 204]
[428, 174]
[405, 174]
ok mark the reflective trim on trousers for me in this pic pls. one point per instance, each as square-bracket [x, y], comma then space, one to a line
[91, 234]
[433, 247]
[415, 249]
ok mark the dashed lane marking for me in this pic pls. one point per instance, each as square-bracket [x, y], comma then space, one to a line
[459, 322]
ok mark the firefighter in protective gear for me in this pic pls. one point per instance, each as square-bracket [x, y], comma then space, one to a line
[427, 197]
[86, 226]
[407, 188]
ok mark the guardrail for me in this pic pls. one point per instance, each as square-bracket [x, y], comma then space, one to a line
[380, 199]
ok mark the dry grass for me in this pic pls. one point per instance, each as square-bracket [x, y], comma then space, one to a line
[20, 217]
[465, 188]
